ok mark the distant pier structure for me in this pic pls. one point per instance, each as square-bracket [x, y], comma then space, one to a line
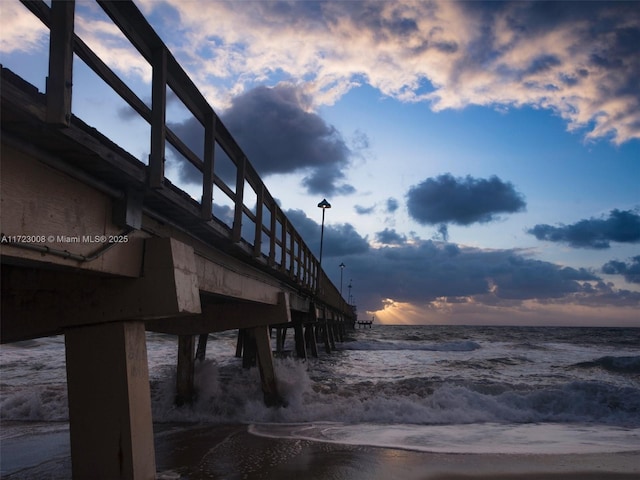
[101, 247]
[365, 323]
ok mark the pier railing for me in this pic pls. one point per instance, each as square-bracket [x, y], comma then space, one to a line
[262, 231]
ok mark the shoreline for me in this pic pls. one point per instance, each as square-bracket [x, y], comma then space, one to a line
[194, 451]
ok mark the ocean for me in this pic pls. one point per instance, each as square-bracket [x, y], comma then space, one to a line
[443, 389]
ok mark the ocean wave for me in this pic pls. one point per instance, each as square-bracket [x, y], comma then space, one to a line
[230, 394]
[455, 346]
[488, 364]
[38, 403]
[627, 364]
[236, 397]
[478, 438]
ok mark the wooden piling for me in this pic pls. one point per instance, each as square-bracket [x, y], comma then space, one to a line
[110, 422]
[185, 390]
[201, 351]
[299, 335]
[265, 364]
[249, 348]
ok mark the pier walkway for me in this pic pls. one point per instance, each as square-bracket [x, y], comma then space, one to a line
[100, 246]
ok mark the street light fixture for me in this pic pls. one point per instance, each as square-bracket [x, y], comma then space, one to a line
[342, 265]
[323, 205]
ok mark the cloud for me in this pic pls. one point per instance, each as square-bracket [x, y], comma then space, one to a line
[598, 233]
[279, 135]
[425, 271]
[339, 239]
[463, 201]
[630, 271]
[576, 59]
[392, 205]
[21, 31]
[360, 210]
[390, 237]
[437, 275]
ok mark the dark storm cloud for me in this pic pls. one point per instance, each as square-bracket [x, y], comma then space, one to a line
[339, 239]
[421, 271]
[630, 271]
[463, 201]
[425, 270]
[621, 226]
[278, 135]
[390, 237]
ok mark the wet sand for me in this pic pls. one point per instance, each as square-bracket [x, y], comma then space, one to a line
[230, 453]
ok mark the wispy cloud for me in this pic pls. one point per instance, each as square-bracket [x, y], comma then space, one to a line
[21, 31]
[578, 60]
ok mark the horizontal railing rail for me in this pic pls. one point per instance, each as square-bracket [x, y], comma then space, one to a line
[274, 240]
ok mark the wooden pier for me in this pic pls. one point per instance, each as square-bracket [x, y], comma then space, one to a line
[99, 246]
[365, 323]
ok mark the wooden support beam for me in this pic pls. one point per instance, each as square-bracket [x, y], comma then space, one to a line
[310, 337]
[201, 351]
[217, 317]
[60, 77]
[43, 302]
[240, 342]
[248, 349]
[185, 390]
[325, 331]
[281, 335]
[267, 372]
[109, 402]
[299, 335]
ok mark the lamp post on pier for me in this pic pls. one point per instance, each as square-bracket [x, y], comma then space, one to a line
[323, 205]
[342, 265]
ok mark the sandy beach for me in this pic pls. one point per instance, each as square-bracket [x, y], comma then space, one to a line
[231, 452]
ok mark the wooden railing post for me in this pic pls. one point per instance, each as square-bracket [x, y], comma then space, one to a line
[209, 159]
[60, 77]
[283, 257]
[239, 202]
[272, 233]
[158, 117]
[292, 250]
[257, 242]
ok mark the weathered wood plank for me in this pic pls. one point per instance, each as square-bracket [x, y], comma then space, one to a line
[60, 77]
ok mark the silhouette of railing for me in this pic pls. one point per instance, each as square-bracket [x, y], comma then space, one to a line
[273, 241]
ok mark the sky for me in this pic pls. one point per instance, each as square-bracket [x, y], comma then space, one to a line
[482, 159]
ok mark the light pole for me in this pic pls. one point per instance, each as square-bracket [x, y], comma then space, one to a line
[342, 265]
[349, 287]
[323, 205]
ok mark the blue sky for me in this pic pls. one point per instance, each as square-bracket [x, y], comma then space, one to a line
[482, 158]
